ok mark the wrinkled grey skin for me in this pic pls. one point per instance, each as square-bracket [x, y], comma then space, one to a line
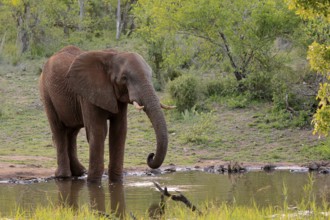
[86, 89]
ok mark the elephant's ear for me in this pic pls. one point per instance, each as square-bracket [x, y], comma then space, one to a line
[88, 78]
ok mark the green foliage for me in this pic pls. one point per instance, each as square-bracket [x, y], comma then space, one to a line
[185, 91]
[302, 120]
[311, 9]
[239, 33]
[318, 55]
[258, 86]
[61, 213]
[206, 211]
[240, 101]
[221, 86]
[321, 119]
[189, 114]
[39, 28]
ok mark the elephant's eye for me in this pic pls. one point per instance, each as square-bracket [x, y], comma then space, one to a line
[124, 79]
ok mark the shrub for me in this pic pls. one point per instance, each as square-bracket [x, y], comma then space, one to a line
[303, 119]
[185, 91]
[258, 86]
[224, 86]
[240, 101]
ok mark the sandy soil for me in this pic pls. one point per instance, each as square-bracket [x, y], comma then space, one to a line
[8, 171]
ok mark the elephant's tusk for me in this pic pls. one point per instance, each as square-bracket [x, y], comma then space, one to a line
[137, 106]
[167, 107]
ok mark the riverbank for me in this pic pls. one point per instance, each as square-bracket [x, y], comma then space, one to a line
[25, 174]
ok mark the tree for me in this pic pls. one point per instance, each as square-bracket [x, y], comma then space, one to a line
[241, 32]
[319, 56]
[26, 15]
[81, 13]
[118, 29]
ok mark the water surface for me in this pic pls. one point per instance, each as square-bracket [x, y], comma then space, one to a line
[138, 193]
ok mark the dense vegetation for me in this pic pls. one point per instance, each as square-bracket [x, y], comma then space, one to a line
[237, 52]
[217, 60]
[318, 13]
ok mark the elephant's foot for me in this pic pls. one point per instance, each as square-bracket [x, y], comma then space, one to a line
[62, 173]
[115, 177]
[78, 169]
[94, 176]
[93, 179]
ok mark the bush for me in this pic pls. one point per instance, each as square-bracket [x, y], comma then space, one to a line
[239, 101]
[224, 86]
[185, 91]
[258, 86]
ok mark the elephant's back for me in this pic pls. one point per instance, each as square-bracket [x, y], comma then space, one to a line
[60, 62]
[54, 86]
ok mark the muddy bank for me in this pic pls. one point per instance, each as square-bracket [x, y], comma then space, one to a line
[26, 174]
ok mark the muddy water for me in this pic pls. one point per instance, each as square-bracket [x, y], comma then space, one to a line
[138, 193]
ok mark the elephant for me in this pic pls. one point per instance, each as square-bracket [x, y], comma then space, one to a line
[89, 88]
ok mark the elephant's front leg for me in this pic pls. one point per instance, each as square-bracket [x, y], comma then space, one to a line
[96, 137]
[95, 121]
[117, 138]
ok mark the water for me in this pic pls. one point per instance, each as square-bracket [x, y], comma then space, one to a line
[138, 193]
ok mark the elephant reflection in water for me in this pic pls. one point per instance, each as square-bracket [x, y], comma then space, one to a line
[69, 195]
[69, 192]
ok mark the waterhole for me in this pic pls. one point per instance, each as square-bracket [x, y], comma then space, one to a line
[138, 194]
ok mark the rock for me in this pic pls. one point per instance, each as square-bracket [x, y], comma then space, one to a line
[324, 170]
[170, 170]
[269, 167]
[209, 169]
[154, 172]
[313, 166]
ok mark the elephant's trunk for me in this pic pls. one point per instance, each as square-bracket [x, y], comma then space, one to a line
[152, 108]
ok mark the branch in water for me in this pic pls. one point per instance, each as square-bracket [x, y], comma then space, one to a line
[179, 197]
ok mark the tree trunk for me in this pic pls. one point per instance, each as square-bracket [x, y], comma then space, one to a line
[239, 74]
[23, 38]
[118, 21]
[2, 42]
[81, 13]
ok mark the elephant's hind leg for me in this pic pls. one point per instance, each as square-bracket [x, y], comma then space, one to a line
[63, 160]
[77, 169]
[60, 140]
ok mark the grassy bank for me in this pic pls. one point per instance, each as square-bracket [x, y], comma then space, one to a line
[209, 212]
[250, 134]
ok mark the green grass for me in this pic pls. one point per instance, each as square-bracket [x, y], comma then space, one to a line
[306, 208]
[178, 211]
[249, 134]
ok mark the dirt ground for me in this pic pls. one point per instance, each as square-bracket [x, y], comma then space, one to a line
[23, 171]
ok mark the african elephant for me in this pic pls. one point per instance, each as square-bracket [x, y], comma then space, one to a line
[88, 88]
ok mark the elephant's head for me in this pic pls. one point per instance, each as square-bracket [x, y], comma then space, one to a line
[105, 78]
